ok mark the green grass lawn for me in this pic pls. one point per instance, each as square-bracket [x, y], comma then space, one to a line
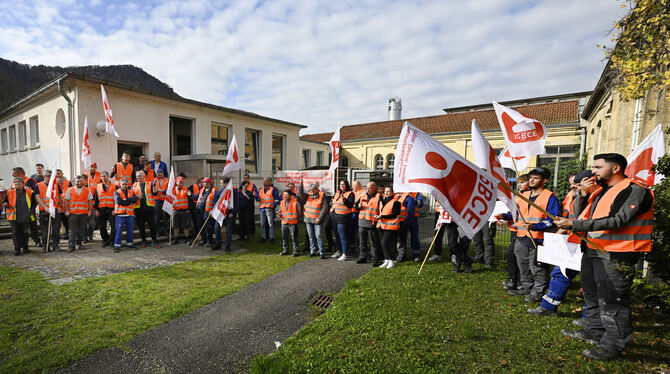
[44, 326]
[396, 321]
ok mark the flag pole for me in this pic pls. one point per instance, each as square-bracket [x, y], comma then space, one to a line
[170, 231]
[199, 232]
[439, 227]
[48, 232]
[524, 198]
[519, 211]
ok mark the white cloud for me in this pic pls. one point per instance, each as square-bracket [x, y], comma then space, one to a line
[328, 63]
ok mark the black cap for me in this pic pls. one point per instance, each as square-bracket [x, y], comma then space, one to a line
[584, 174]
[542, 172]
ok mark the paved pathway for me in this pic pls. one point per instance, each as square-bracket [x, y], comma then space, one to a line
[225, 335]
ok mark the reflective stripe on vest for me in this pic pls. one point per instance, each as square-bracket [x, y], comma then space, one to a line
[137, 190]
[266, 196]
[124, 209]
[122, 172]
[10, 212]
[567, 205]
[389, 223]
[338, 203]
[533, 215]
[289, 214]
[181, 201]
[634, 237]
[78, 201]
[313, 206]
[369, 207]
[105, 198]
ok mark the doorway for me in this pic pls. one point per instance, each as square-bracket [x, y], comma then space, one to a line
[135, 150]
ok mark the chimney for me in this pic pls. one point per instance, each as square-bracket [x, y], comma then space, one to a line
[395, 107]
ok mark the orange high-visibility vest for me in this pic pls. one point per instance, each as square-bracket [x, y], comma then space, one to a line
[137, 190]
[389, 223]
[79, 201]
[267, 198]
[289, 213]
[567, 205]
[634, 237]
[518, 204]
[44, 196]
[123, 172]
[403, 209]
[313, 206]
[105, 198]
[369, 207]
[209, 200]
[162, 184]
[95, 179]
[149, 175]
[533, 215]
[338, 203]
[64, 186]
[10, 212]
[181, 201]
[124, 209]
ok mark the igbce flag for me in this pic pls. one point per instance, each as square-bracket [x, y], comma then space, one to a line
[525, 136]
[109, 118]
[519, 163]
[224, 204]
[485, 158]
[334, 151]
[645, 156]
[170, 197]
[51, 194]
[423, 164]
[86, 146]
[233, 159]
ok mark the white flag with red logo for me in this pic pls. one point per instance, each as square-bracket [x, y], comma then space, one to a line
[334, 151]
[86, 147]
[52, 192]
[485, 158]
[525, 136]
[170, 197]
[233, 159]
[109, 118]
[645, 156]
[519, 163]
[224, 204]
[423, 164]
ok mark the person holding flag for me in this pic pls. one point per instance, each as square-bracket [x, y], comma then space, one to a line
[50, 194]
[203, 207]
[248, 194]
[223, 213]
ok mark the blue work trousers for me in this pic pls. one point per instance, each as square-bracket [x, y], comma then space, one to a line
[127, 223]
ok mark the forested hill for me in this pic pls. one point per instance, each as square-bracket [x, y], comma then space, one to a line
[17, 80]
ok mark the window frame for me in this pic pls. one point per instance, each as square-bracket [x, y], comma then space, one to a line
[257, 162]
[219, 141]
[22, 132]
[34, 128]
[282, 153]
[12, 138]
[4, 141]
[377, 160]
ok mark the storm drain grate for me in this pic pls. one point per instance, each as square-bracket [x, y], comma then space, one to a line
[321, 301]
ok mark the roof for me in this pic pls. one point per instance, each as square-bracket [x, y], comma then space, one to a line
[82, 77]
[554, 113]
[521, 102]
[602, 87]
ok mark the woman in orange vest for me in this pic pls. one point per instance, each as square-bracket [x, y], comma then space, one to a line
[124, 210]
[341, 214]
[316, 207]
[289, 213]
[19, 209]
[389, 222]
[619, 221]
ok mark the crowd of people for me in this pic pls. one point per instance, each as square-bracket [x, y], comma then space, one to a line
[369, 225]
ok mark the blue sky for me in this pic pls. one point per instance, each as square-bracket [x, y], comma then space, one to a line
[325, 63]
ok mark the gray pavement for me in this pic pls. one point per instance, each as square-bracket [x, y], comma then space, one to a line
[225, 335]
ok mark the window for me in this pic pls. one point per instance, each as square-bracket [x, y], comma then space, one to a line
[23, 136]
[344, 162]
[379, 162]
[390, 160]
[3, 135]
[305, 158]
[319, 158]
[34, 132]
[219, 139]
[181, 132]
[277, 153]
[562, 152]
[251, 151]
[12, 138]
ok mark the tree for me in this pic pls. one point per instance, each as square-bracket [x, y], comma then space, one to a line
[641, 55]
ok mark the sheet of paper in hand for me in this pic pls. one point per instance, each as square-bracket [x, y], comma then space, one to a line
[557, 250]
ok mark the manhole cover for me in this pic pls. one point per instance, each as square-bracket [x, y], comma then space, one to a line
[321, 301]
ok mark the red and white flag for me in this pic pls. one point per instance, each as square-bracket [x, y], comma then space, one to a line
[170, 197]
[52, 192]
[645, 155]
[334, 151]
[525, 136]
[224, 204]
[519, 163]
[423, 164]
[443, 218]
[233, 159]
[485, 158]
[86, 147]
[109, 118]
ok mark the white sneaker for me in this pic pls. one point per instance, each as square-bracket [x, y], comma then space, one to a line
[342, 258]
[435, 258]
[336, 254]
[383, 265]
[390, 264]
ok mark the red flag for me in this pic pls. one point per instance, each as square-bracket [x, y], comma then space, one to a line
[86, 146]
[233, 159]
[525, 136]
[645, 156]
[519, 163]
[109, 118]
[224, 204]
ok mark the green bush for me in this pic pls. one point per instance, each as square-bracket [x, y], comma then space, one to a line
[659, 257]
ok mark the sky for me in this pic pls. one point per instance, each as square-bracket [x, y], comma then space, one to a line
[326, 63]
